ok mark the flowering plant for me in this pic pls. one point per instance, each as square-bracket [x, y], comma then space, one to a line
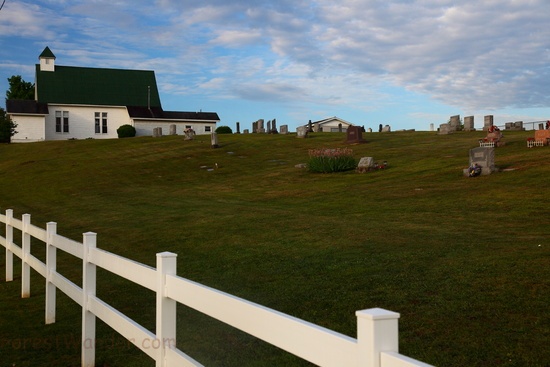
[331, 160]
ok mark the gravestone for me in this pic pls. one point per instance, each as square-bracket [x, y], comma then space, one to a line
[188, 134]
[238, 127]
[483, 157]
[454, 121]
[354, 135]
[246, 131]
[469, 123]
[444, 129]
[274, 126]
[339, 127]
[309, 127]
[487, 122]
[432, 127]
[261, 128]
[369, 130]
[269, 126]
[518, 125]
[365, 164]
[284, 129]
[214, 140]
[386, 129]
[173, 129]
[157, 132]
[302, 131]
[255, 127]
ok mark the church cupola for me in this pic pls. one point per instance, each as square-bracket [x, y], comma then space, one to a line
[47, 60]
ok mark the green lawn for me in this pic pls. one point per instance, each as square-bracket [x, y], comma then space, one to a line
[465, 261]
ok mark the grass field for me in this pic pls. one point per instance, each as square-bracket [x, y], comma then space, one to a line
[465, 261]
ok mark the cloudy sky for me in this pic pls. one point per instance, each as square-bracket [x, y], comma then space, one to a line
[405, 63]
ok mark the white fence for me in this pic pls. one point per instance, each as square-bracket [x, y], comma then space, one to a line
[377, 329]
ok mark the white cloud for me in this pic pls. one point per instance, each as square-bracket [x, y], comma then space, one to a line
[236, 38]
[469, 54]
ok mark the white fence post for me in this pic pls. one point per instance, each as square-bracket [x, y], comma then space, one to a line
[166, 307]
[9, 243]
[377, 331]
[88, 289]
[25, 267]
[51, 266]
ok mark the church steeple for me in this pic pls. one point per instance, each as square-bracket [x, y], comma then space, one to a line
[47, 60]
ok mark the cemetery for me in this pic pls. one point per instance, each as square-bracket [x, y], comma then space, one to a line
[463, 261]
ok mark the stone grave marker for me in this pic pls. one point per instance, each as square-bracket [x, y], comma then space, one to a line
[214, 140]
[354, 135]
[469, 123]
[365, 164]
[261, 128]
[301, 132]
[188, 134]
[444, 129]
[284, 129]
[173, 129]
[454, 121]
[483, 157]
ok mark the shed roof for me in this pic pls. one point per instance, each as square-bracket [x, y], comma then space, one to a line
[26, 106]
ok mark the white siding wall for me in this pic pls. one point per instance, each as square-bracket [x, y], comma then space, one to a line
[29, 129]
[145, 128]
[82, 122]
[332, 126]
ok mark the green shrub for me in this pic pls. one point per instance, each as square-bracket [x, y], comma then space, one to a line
[331, 160]
[126, 131]
[224, 130]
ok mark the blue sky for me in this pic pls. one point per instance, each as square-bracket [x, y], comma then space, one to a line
[407, 63]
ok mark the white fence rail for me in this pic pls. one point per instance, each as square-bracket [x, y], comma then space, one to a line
[377, 329]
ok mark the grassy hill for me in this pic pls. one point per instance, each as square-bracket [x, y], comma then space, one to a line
[465, 261]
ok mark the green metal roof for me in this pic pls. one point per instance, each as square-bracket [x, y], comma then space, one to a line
[95, 86]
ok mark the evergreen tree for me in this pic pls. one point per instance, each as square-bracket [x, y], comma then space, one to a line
[7, 127]
[19, 89]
